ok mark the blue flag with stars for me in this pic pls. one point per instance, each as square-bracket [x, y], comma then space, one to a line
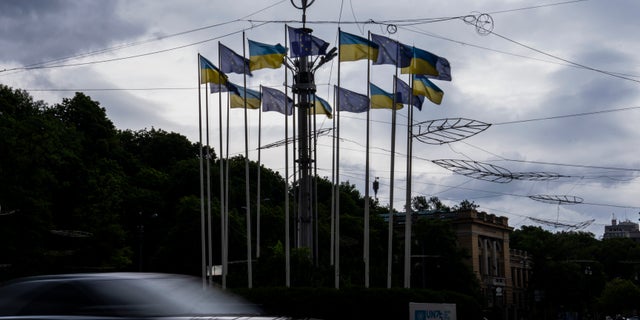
[303, 44]
[231, 62]
[404, 94]
[350, 101]
[392, 52]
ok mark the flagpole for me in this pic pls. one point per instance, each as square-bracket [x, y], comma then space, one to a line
[258, 182]
[408, 215]
[391, 184]
[314, 203]
[202, 221]
[333, 182]
[287, 241]
[223, 203]
[296, 178]
[337, 186]
[208, 157]
[336, 96]
[246, 175]
[366, 178]
[225, 266]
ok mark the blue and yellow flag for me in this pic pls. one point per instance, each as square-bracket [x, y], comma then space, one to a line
[276, 100]
[209, 73]
[350, 101]
[231, 62]
[381, 99]
[227, 87]
[320, 106]
[237, 94]
[354, 48]
[404, 94]
[263, 55]
[426, 63]
[391, 52]
[303, 44]
[422, 86]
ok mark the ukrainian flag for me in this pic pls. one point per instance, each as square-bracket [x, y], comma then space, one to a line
[354, 48]
[422, 62]
[237, 101]
[209, 73]
[381, 99]
[422, 86]
[320, 106]
[263, 55]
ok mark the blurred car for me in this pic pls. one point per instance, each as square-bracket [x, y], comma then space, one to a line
[119, 295]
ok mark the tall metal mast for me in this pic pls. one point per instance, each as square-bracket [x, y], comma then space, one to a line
[304, 86]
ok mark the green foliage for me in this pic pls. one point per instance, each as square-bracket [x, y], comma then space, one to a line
[620, 296]
[442, 266]
[570, 269]
[465, 205]
[136, 194]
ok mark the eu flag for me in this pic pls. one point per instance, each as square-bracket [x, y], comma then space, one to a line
[303, 44]
[404, 94]
[276, 100]
[231, 62]
[392, 52]
[350, 101]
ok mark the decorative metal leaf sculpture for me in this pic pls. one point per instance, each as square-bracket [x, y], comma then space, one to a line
[556, 199]
[556, 224]
[320, 133]
[537, 176]
[476, 170]
[449, 130]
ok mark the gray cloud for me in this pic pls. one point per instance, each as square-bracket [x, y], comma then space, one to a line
[34, 31]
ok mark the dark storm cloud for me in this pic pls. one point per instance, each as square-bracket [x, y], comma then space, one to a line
[36, 31]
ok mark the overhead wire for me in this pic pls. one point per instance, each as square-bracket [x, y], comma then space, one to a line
[136, 55]
[41, 65]
[407, 22]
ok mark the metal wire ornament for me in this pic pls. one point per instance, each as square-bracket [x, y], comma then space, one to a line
[441, 131]
[392, 28]
[537, 176]
[557, 224]
[318, 133]
[482, 21]
[559, 200]
[556, 199]
[476, 170]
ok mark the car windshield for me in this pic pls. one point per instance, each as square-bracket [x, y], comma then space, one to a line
[165, 296]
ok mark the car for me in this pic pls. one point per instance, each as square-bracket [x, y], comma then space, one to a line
[119, 295]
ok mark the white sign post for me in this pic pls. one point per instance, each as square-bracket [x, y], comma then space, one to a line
[432, 311]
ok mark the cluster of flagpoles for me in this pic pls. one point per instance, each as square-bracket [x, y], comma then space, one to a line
[419, 64]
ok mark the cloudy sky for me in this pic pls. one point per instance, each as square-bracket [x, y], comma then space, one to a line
[558, 81]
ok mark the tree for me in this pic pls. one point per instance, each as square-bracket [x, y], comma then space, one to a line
[420, 203]
[465, 205]
[620, 296]
[441, 265]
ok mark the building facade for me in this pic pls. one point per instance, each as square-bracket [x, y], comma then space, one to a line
[503, 273]
[623, 229]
